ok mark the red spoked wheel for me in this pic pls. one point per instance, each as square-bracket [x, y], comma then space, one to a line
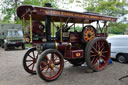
[89, 33]
[50, 65]
[97, 54]
[29, 60]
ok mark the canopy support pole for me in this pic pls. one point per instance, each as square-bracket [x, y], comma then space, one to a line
[74, 27]
[24, 23]
[61, 30]
[30, 28]
[53, 29]
[48, 28]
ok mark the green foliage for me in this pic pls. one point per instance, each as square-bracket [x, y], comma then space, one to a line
[32, 2]
[117, 28]
[40, 2]
[28, 45]
[109, 7]
[71, 1]
[9, 8]
[77, 28]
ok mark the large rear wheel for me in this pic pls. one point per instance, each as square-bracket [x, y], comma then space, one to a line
[29, 60]
[97, 54]
[50, 65]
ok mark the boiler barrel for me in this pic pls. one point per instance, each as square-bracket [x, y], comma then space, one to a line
[55, 45]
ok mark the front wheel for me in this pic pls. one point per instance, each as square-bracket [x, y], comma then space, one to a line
[50, 65]
[97, 54]
[29, 60]
[23, 46]
[6, 47]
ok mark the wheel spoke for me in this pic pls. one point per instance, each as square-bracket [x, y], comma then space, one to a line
[53, 71]
[102, 49]
[93, 59]
[30, 56]
[50, 73]
[46, 70]
[55, 58]
[98, 46]
[93, 55]
[94, 48]
[93, 52]
[57, 67]
[33, 54]
[48, 59]
[30, 64]
[101, 45]
[42, 68]
[104, 57]
[33, 66]
[105, 52]
[29, 60]
[44, 63]
[57, 63]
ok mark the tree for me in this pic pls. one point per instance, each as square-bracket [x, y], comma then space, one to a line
[40, 2]
[114, 8]
[109, 7]
[9, 10]
[117, 28]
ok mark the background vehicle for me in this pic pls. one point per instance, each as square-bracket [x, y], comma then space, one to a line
[55, 42]
[11, 35]
[119, 47]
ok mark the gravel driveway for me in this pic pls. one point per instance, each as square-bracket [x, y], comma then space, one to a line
[12, 73]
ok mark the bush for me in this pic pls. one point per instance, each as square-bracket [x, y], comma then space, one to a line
[117, 28]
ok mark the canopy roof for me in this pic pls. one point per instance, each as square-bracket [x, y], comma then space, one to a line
[39, 13]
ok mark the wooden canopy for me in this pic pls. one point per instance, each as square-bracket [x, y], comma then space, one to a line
[39, 13]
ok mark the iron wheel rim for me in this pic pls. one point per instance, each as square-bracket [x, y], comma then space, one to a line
[30, 60]
[46, 70]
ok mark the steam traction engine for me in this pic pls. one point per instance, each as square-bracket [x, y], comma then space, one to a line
[54, 41]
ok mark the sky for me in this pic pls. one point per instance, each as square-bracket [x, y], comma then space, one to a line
[72, 6]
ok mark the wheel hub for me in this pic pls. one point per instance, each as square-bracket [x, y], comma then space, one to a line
[52, 66]
[100, 53]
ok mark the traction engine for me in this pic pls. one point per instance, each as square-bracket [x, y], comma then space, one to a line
[50, 32]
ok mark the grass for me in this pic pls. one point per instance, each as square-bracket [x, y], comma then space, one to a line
[28, 45]
[113, 34]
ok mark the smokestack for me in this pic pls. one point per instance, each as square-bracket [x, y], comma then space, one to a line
[47, 5]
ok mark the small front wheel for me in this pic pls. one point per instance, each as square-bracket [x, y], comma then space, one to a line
[50, 65]
[29, 60]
